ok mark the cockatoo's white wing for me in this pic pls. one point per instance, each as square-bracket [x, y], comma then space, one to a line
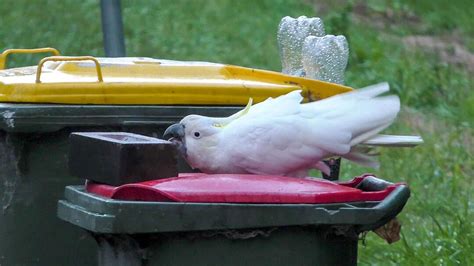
[288, 136]
[358, 111]
[337, 104]
[281, 145]
[287, 104]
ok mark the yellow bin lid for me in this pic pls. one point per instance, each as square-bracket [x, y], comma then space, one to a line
[138, 80]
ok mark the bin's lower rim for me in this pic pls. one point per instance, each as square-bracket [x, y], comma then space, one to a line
[103, 215]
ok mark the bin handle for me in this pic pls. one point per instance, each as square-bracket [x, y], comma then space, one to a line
[388, 209]
[4, 54]
[379, 214]
[69, 58]
[390, 206]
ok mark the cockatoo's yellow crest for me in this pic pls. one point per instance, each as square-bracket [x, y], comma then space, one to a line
[225, 121]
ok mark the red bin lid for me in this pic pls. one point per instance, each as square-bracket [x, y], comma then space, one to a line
[232, 188]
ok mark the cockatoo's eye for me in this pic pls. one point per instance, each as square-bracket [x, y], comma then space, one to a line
[197, 134]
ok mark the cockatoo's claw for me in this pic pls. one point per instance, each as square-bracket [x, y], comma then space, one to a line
[323, 167]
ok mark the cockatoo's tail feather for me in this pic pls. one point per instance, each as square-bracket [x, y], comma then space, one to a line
[364, 156]
[394, 141]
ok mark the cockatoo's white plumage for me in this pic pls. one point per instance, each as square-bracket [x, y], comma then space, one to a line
[282, 136]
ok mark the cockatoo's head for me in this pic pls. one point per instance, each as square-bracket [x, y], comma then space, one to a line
[197, 137]
[194, 133]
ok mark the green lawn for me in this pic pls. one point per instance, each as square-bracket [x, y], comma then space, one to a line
[436, 93]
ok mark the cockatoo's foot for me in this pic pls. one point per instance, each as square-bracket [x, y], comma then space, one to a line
[323, 167]
[299, 174]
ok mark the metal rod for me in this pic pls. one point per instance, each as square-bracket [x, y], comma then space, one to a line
[112, 28]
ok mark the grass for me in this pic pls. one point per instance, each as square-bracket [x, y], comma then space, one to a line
[438, 97]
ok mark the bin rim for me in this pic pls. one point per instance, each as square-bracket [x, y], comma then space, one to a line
[37, 118]
[103, 215]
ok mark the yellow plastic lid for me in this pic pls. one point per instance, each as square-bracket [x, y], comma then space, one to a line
[138, 80]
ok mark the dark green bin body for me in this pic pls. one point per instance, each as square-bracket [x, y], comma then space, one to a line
[174, 233]
[33, 172]
[299, 246]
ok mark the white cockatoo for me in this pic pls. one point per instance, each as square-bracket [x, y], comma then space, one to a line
[283, 136]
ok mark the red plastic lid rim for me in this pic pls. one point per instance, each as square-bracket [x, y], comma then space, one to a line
[229, 188]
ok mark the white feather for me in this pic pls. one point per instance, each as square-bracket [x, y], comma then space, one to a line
[394, 141]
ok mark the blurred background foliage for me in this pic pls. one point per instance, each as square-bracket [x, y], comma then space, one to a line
[424, 49]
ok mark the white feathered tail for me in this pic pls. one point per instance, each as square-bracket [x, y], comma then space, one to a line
[365, 113]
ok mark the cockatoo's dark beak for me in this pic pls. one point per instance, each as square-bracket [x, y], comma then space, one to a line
[175, 134]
